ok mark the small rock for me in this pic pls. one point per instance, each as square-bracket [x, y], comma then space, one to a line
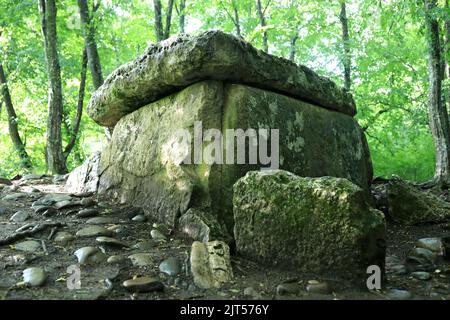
[157, 235]
[29, 177]
[110, 242]
[318, 287]
[65, 204]
[396, 294]
[287, 289]
[432, 244]
[116, 259]
[141, 259]
[14, 196]
[422, 256]
[421, 275]
[252, 293]
[101, 220]
[145, 245]
[89, 255]
[139, 218]
[86, 213]
[94, 231]
[87, 202]
[58, 197]
[63, 237]
[210, 264]
[143, 284]
[40, 209]
[44, 201]
[19, 216]
[28, 246]
[171, 266]
[49, 212]
[34, 276]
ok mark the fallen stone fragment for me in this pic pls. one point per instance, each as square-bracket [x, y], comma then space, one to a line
[157, 235]
[34, 276]
[28, 246]
[110, 242]
[141, 259]
[317, 287]
[170, 266]
[20, 216]
[94, 231]
[91, 255]
[86, 213]
[143, 284]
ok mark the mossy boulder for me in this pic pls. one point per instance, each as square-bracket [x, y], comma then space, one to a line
[311, 225]
[409, 205]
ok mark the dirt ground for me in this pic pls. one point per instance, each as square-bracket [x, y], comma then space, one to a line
[55, 258]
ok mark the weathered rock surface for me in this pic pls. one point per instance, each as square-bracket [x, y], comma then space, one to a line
[180, 61]
[142, 164]
[410, 206]
[314, 225]
[210, 264]
[84, 179]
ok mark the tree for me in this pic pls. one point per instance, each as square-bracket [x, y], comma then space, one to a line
[438, 114]
[181, 15]
[90, 43]
[235, 17]
[56, 161]
[162, 32]
[12, 122]
[262, 21]
[346, 57]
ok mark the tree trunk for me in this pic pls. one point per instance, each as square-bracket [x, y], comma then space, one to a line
[292, 49]
[262, 21]
[438, 114]
[237, 23]
[158, 21]
[346, 44]
[77, 120]
[56, 162]
[168, 19]
[90, 43]
[12, 122]
[182, 15]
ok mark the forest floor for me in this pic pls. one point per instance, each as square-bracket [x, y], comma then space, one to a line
[41, 250]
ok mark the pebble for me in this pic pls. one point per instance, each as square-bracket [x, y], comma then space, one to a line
[34, 276]
[171, 266]
[422, 256]
[421, 275]
[252, 293]
[432, 244]
[28, 246]
[86, 213]
[58, 197]
[284, 289]
[157, 235]
[143, 284]
[139, 218]
[44, 201]
[396, 294]
[40, 209]
[145, 245]
[111, 242]
[101, 220]
[141, 259]
[318, 287]
[93, 231]
[63, 237]
[49, 212]
[116, 259]
[14, 196]
[87, 202]
[19, 216]
[89, 254]
[65, 204]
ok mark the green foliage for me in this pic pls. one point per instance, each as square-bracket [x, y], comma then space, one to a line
[389, 65]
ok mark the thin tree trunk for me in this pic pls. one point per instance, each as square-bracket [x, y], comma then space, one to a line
[168, 19]
[236, 21]
[262, 21]
[346, 44]
[77, 120]
[12, 122]
[91, 45]
[182, 15]
[438, 114]
[292, 49]
[56, 162]
[158, 21]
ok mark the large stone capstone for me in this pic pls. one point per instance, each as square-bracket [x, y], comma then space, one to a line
[311, 225]
[214, 83]
[178, 62]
